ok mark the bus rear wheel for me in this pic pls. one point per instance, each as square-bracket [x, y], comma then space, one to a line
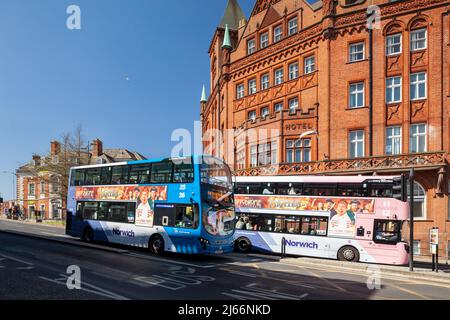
[156, 245]
[348, 253]
[243, 245]
[88, 235]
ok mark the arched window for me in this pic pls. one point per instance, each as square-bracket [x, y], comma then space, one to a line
[420, 203]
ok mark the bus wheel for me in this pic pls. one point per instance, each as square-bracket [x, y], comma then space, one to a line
[88, 235]
[348, 254]
[156, 245]
[243, 245]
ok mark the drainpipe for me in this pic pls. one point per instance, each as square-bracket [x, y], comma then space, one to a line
[370, 92]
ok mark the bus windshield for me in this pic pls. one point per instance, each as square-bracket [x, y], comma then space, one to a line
[218, 197]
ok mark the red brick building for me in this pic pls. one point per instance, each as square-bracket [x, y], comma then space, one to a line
[305, 87]
[39, 191]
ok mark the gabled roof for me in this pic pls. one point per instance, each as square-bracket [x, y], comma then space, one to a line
[233, 15]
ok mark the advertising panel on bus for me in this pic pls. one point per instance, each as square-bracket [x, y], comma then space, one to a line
[144, 197]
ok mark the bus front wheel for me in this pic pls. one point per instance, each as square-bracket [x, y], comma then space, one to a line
[243, 245]
[88, 235]
[348, 253]
[156, 245]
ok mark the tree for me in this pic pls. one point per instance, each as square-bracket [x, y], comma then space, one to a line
[54, 168]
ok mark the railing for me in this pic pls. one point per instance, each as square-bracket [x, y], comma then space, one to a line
[360, 165]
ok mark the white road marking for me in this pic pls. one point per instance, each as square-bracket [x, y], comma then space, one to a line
[17, 260]
[98, 291]
[141, 256]
[251, 292]
[25, 268]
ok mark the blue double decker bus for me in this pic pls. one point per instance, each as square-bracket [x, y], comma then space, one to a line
[182, 205]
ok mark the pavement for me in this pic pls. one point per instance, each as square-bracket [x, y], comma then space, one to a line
[35, 263]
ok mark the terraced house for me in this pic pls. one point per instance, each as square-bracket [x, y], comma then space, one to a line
[329, 93]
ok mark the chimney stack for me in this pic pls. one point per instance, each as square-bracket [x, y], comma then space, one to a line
[97, 148]
[55, 148]
[37, 160]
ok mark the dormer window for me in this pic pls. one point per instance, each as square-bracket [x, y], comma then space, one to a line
[293, 26]
[264, 43]
[251, 46]
[277, 33]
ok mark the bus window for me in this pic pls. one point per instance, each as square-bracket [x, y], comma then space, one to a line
[186, 217]
[314, 226]
[322, 190]
[140, 174]
[387, 231]
[105, 176]
[103, 212]
[352, 190]
[183, 172]
[292, 224]
[92, 177]
[379, 190]
[119, 175]
[78, 177]
[322, 227]
[162, 172]
[90, 210]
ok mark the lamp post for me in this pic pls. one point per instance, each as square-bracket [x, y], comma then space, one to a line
[13, 184]
[312, 133]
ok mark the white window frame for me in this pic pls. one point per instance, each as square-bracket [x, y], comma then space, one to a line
[265, 112]
[415, 84]
[420, 195]
[357, 92]
[356, 141]
[416, 244]
[415, 41]
[310, 67]
[389, 46]
[42, 187]
[354, 54]
[279, 79]
[252, 89]
[251, 48]
[392, 86]
[264, 40]
[299, 145]
[278, 36]
[278, 109]
[392, 136]
[34, 189]
[292, 29]
[293, 110]
[254, 156]
[252, 115]
[265, 81]
[293, 72]
[240, 91]
[416, 135]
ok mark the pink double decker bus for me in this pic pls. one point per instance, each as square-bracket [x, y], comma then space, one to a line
[337, 217]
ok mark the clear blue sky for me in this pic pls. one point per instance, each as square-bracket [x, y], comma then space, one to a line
[52, 78]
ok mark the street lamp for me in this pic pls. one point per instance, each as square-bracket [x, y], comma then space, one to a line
[14, 176]
[311, 133]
